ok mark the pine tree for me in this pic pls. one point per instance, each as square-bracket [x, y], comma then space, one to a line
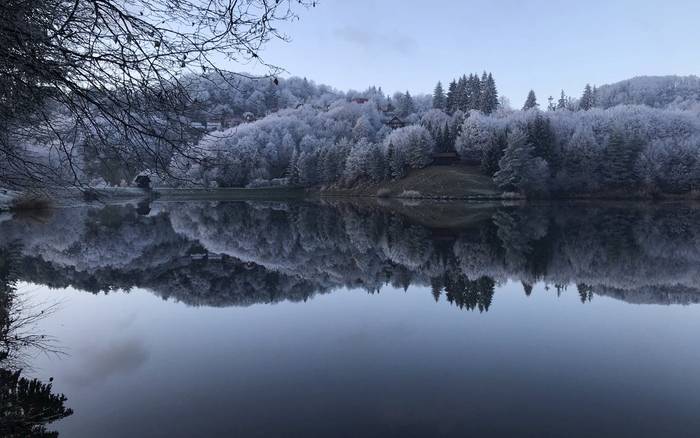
[293, 168]
[395, 162]
[439, 99]
[473, 92]
[620, 158]
[377, 165]
[551, 106]
[562, 103]
[541, 137]
[451, 99]
[462, 95]
[531, 101]
[405, 105]
[493, 154]
[489, 94]
[519, 169]
[587, 99]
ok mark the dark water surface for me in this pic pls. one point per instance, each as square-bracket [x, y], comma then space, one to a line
[336, 319]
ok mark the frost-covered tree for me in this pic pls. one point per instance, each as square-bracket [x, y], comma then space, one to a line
[489, 94]
[404, 104]
[519, 169]
[413, 144]
[439, 98]
[531, 101]
[451, 98]
[587, 99]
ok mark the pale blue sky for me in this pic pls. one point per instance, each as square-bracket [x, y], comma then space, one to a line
[544, 45]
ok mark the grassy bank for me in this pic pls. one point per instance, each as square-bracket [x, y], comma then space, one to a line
[434, 182]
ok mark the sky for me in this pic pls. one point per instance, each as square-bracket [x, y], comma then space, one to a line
[533, 44]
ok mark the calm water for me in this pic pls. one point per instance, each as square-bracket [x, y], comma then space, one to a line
[311, 319]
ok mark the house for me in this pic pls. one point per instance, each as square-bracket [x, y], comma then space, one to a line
[360, 100]
[445, 158]
[395, 123]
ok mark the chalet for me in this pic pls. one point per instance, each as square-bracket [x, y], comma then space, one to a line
[360, 100]
[445, 158]
[395, 123]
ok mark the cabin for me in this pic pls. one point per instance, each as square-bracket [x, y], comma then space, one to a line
[395, 123]
[360, 100]
[445, 158]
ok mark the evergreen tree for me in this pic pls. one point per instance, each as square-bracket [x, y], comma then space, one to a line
[519, 169]
[563, 101]
[620, 158]
[439, 99]
[462, 94]
[493, 154]
[451, 99]
[489, 94]
[473, 92]
[405, 105]
[551, 106]
[293, 168]
[377, 166]
[396, 162]
[541, 137]
[587, 99]
[531, 101]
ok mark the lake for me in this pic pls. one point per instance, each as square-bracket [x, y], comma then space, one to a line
[361, 319]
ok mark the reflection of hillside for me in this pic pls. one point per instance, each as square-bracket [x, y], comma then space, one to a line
[279, 251]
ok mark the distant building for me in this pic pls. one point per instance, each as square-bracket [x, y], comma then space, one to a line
[360, 100]
[395, 123]
[445, 158]
[249, 117]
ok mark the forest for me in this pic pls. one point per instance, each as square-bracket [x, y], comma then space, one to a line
[636, 138]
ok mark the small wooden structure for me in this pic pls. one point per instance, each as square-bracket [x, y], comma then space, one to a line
[395, 123]
[360, 100]
[445, 158]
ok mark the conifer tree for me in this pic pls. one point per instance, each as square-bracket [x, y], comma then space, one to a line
[462, 94]
[439, 99]
[587, 99]
[451, 100]
[531, 101]
[474, 92]
[405, 105]
[489, 94]
[562, 102]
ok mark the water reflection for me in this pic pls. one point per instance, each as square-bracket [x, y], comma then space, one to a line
[27, 405]
[241, 253]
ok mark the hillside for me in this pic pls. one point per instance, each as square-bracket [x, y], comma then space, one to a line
[677, 92]
[436, 182]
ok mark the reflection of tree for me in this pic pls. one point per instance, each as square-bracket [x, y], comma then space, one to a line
[268, 252]
[26, 405]
[465, 293]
